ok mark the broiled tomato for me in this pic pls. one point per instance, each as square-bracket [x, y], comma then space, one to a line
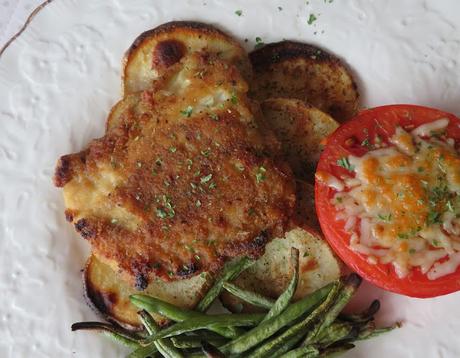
[353, 138]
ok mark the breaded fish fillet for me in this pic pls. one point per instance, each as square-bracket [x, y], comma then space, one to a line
[182, 180]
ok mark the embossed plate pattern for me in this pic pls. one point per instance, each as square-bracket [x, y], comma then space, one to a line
[59, 78]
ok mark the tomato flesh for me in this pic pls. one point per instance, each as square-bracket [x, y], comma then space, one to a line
[351, 139]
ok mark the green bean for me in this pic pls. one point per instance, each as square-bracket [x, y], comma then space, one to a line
[205, 322]
[230, 272]
[164, 346]
[250, 297]
[351, 284]
[177, 314]
[274, 324]
[302, 352]
[336, 332]
[283, 300]
[364, 316]
[118, 334]
[288, 345]
[369, 331]
[276, 343]
[143, 352]
[336, 351]
[186, 342]
[211, 352]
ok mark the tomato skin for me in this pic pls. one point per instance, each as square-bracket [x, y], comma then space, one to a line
[381, 121]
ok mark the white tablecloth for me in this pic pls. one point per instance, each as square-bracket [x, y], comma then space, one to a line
[13, 14]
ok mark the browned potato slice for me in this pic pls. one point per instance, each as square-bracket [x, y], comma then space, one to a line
[301, 129]
[296, 70]
[271, 274]
[157, 49]
[109, 294]
[305, 211]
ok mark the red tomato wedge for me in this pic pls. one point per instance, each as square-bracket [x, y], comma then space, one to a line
[351, 138]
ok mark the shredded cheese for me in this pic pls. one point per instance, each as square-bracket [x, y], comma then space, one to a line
[403, 204]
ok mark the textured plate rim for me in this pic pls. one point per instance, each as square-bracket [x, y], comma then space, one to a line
[26, 24]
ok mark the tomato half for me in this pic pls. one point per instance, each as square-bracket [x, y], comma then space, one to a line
[351, 138]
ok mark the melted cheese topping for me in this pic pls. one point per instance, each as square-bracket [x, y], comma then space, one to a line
[403, 206]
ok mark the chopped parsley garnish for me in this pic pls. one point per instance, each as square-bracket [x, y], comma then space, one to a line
[366, 143]
[339, 199]
[436, 243]
[172, 149]
[344, 163]
[161, 213]
[403, 236]
[198, 203]
[239, 12]
[433, 217]
[251, 212]
[214, 116]
[206, 178]
[212, 185]
[114, 221]
[412, 251]
[311, 19]
[189, 164]
[234, 98]
[259, 43]
[386, 218]
[260, 175]
[450, 206]
[420, 169]
[239, 166]
[305, 254]
[187, 111]
[197, 257]
[206, 152]
[139, 164]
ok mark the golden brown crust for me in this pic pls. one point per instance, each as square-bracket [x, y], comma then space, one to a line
[195, 27]
[141, 65]
[171, 191]
[296, 70]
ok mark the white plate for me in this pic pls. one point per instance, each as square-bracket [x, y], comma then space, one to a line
[59, 79]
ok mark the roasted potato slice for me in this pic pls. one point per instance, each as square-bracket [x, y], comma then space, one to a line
[296, 70]
[157, 49]
[109, 294]
[271, 274]
[301, 129]
[305, 212]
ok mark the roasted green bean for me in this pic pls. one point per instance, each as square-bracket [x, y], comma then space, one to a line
[268, 328]
[277, 342]
[205, 322]
[250, 297]
[177, 314]
[351, 284]
[210, 351]
[302, 352]
[118, 334]
[283, 300]
[187, 342]
[164, 346]
[335, 332]
[364, 316]
[229, 273]
[336, 351]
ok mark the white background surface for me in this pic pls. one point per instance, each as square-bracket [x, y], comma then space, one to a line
[13, 14]
[60, 78]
